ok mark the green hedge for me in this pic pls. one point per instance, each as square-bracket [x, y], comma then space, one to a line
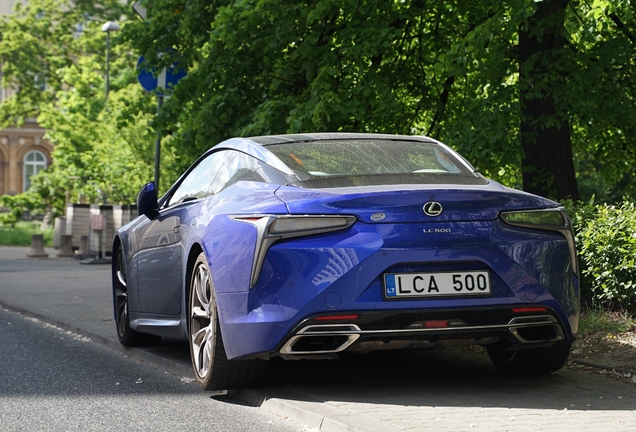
[19, 234]
[606, 242]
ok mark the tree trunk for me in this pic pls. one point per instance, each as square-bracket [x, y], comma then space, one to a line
[548, 169]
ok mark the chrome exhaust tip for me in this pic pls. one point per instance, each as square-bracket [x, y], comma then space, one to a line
[536, 329]
[322, 339]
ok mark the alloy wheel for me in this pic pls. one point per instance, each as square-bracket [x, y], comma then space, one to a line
[202, 320]
[121, 295]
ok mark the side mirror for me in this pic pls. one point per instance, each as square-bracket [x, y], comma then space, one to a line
[147, 204]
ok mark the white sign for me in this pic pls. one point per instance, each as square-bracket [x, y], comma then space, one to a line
[139, 9]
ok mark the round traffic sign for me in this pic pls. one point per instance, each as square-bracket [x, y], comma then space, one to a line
[166, 79]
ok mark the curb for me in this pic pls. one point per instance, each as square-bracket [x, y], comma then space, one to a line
[600, 366]
[281, 407]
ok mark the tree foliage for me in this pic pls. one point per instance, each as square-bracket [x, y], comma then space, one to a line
[41, 38]
[448, 69]
[460, 71]
[602, 102]
[53, 55]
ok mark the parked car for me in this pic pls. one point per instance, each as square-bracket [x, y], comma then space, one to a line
[306, 246]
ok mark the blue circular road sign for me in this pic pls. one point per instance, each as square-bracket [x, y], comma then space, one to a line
[166, 79]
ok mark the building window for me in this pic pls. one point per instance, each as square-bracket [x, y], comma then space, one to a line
[34, 162]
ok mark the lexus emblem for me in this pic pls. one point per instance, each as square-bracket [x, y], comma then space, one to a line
[432, 208]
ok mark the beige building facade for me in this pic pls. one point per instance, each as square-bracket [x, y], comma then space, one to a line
[23, 153]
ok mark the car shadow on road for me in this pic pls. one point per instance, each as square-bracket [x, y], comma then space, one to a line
[441, 377]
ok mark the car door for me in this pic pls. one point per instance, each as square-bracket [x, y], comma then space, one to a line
[160, 248]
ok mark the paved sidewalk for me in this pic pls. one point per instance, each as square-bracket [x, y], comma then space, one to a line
[428, 390]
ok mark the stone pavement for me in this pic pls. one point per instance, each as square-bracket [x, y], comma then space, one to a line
[428, 390]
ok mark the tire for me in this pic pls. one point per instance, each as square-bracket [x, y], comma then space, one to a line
[127, 336]
[531, 361]
[212, 369]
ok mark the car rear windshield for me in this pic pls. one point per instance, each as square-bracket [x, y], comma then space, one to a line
[364, 162]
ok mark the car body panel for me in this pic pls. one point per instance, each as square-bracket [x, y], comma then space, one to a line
[405, 204]
[159, 258]
[340, 272]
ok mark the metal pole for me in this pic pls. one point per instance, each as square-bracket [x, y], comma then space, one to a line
[107, 63]
[90, 235]
[104, 238]
[158, 145]
[108, 27]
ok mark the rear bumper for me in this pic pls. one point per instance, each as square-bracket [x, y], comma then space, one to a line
[380, 330]
[415, 329]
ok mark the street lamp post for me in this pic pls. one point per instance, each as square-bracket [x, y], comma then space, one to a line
[108, 27]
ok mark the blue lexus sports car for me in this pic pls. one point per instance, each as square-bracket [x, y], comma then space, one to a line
[306, 246]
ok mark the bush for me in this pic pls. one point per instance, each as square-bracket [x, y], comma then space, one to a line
[606, 322]
[606, 242]
[20, 207]
[20, 234]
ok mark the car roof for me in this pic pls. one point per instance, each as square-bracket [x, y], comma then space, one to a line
[280, 139]
[256, 145]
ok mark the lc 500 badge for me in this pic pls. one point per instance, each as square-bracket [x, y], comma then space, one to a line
[436, 230]
[436, 284]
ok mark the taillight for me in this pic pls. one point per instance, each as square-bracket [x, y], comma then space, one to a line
[529, 309]
[555, 219]
[271, 228]
[337, 317]
[432, 324]
[306, 225]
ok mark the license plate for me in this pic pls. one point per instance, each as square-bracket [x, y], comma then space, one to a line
[398, 285]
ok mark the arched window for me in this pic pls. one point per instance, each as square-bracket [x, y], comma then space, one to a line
[34, 162]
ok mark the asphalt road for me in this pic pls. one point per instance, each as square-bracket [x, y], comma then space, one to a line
[55, 380]
[450, 389]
